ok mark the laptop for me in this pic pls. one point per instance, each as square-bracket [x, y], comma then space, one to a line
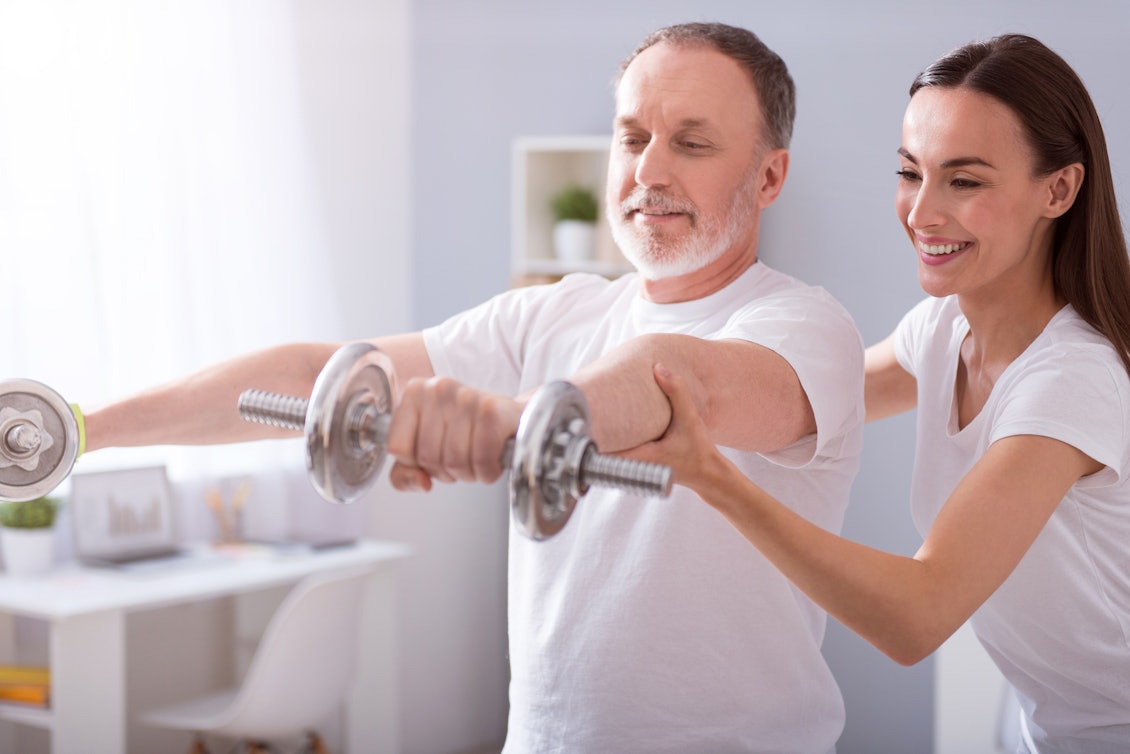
[124, 516]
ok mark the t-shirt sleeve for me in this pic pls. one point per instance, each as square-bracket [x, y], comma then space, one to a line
[488, 346]
[1078, 397]
[482, 346]
[913, 332]
[819, 340]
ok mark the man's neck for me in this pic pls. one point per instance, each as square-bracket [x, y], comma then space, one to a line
[702, 282]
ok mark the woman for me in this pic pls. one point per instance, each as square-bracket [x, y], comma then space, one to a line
[1018, 366]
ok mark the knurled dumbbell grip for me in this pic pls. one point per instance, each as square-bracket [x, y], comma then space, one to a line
[274, 409]
[645, 478]
[601, 470]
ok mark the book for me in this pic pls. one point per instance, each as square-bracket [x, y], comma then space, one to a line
[25, 674]
[25, 684]
[34, 695]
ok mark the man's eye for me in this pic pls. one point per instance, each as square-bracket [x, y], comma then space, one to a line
[695, 146]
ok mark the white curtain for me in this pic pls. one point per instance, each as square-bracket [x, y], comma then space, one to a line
[158, 211]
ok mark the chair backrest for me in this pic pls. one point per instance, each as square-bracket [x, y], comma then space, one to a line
[305, 662]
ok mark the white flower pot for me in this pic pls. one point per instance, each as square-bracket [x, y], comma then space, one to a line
[27, 551]
[574, 240]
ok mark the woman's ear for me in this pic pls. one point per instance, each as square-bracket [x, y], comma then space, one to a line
[1063, 187]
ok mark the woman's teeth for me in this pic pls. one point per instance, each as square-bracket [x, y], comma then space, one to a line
[939, 249]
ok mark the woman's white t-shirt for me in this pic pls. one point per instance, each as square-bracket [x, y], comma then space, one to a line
[1059, 626]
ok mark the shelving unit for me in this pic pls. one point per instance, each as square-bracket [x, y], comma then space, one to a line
[541, 166]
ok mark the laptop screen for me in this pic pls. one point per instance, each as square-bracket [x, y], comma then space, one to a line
[121, 513]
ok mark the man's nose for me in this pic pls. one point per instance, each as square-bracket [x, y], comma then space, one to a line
[654, 167]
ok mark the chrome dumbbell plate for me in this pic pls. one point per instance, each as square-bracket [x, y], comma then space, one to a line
[544, 478]
[347, 422]
[39, 439]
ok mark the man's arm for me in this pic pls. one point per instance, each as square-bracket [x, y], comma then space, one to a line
[201, 409]
[749, 396]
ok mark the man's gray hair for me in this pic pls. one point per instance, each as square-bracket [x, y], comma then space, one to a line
[776, 92]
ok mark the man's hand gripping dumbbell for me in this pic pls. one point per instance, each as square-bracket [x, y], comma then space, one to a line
[552, 459]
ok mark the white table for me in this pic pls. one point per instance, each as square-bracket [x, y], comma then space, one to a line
[86, 608]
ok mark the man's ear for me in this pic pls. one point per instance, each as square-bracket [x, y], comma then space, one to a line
[771, 179]
[1063, 188]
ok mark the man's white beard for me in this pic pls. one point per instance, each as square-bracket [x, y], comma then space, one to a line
[658, 256]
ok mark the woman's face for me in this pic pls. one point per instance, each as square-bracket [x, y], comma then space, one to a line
[967, 196]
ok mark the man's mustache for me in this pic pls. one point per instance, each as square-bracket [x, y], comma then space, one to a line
[653, 200]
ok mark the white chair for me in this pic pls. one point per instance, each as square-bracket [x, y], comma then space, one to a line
[298, 677]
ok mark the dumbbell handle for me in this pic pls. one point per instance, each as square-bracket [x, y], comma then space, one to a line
[371, 427]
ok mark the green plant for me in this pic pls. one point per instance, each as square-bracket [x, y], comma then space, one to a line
[575, 203]
[33, 514]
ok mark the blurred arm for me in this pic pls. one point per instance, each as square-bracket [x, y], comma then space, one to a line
[201, 408]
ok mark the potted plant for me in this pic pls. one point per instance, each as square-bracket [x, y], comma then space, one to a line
[575, 211]
[27, 535]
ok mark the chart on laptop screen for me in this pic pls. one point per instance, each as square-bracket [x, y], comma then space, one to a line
[122, 515]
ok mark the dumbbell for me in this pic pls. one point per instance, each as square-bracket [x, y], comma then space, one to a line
[552, 460]
[40, 439]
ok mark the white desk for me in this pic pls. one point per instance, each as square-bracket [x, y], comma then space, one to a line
[85, 609]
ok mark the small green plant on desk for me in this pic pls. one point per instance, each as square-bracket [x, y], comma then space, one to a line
[32, 514]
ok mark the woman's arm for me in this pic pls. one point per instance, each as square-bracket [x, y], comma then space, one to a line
[888, 389]
[905, 606]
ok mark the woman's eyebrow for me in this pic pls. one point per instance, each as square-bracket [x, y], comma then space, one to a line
[953, 162]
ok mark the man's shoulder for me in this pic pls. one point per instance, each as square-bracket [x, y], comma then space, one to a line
[769, 288]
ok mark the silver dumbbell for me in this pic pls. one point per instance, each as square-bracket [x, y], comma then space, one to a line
[552, 460]
[39, 439]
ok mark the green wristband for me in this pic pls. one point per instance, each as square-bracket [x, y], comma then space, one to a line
[81, 429]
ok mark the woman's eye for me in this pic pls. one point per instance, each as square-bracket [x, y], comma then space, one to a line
[965, 183]
[907, 175]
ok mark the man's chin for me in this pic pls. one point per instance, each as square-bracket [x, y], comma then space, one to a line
[673, 266]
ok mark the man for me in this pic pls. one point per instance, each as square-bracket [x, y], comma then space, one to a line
[645, 625]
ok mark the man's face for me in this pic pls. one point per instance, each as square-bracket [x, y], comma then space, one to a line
[684, 170]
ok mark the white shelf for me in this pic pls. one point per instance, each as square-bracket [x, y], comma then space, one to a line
[38, 717]
[543, 165]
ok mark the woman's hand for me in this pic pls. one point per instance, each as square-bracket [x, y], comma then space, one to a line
[686, 445]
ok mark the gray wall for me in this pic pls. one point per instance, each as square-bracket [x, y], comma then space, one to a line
[486, 72]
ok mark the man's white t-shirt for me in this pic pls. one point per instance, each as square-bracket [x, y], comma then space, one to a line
[651, 625]
[1059, 626]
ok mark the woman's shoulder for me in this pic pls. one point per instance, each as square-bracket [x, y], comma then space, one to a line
[1073, 354]
[932, 326]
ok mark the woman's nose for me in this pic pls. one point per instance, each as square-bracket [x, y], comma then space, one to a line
[926, 207]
